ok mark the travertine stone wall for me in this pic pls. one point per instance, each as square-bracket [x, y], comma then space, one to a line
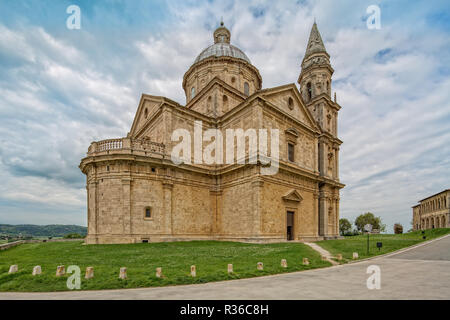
[238, 205]
[275, 208]
[191, 212]
[224, 201]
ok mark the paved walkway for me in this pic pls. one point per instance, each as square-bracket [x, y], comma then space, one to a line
[418, 273]
[324, 253]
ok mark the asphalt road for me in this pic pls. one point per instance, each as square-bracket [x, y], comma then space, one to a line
[422, 272]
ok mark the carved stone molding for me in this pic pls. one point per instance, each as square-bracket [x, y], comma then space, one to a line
[292, 134]
[258, 183]
[293, 196]
[126, 180]
[167, 184]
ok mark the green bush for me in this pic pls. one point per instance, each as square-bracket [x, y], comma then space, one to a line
[352, 233]
[398, 228]
[73, 236]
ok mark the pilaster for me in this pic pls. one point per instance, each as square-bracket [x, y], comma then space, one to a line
[167, 206]
[126, 200]
[323, 214]
[216, 210]
[316, 212]
[257, 186]
[92, 207]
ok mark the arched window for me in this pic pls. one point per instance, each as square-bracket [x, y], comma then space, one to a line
[246, 89]
[225, 104]
[146, 113]
[192, 92]
[309, 90]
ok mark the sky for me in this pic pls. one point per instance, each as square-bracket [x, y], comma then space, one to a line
[61, 89]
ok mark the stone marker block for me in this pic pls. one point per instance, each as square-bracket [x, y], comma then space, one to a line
[60, 271]
[193, 271]
[89, 273]
[123, 273]
[284, 263]
[305, 262]
[339, 256]
[260, 266]
[159, 272]
[36, 270]
[13, 269]
[230, 268]
[355, 255]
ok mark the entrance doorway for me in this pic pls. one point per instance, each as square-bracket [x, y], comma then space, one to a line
[290, 225]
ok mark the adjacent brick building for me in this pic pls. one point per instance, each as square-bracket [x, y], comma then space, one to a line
[432, 212]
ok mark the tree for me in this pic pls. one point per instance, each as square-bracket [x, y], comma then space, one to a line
[344, 226]
[369, 218]
[398, 228]
[73, 236]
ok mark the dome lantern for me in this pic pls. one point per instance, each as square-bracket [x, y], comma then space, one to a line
[222, 34]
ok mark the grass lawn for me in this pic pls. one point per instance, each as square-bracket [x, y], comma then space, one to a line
[210, 257]
[391, 242]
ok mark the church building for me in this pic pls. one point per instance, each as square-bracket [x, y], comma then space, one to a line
[136, 193]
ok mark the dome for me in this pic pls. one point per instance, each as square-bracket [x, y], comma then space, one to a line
[222, 49]
[221, 60]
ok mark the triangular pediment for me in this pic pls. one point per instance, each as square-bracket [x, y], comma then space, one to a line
[216, 99]
[148, 105]
[212, 85]
[287, 98]
[293, 195]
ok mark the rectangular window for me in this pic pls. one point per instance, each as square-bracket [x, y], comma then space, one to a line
[148, 213]
[291, 152]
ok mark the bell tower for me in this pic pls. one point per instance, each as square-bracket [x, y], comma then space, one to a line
[315, 87]
[315, 82]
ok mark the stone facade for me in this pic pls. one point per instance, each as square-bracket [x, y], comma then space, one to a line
[135, 193]
[432, 212]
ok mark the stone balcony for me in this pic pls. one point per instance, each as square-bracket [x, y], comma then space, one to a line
[142, 147]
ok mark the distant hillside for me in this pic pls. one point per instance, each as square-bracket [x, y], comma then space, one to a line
[53, 230]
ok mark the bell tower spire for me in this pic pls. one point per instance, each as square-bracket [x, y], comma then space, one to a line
[315, 77]
[315, 83]
[315, 43]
